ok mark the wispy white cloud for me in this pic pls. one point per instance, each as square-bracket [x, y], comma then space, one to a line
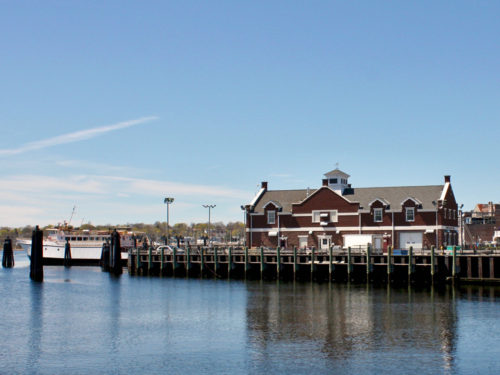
[75, 136]
[38, 199]
[157, 187]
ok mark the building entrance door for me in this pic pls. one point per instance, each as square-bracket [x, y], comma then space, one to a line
[324, 242]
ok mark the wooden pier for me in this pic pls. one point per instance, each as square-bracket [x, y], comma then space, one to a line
[317, 265]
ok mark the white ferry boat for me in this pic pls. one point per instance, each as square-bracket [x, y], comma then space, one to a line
[86, 246]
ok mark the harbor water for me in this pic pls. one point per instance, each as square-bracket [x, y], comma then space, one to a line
[81, 321]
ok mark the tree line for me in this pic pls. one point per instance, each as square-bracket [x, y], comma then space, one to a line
[232, 231]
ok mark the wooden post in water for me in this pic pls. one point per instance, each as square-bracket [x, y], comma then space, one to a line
[433, 263]
[295, 267]
[105, 258]
[278, 262]
[8, 254]
[349, 263]
[36, 265]
[115, 265]
[150, 260]
[368, 263]
[174, 260]
[411, 268]
[246, 262]
[188, 260]
[130, 263]
[261, 262]
[230, 261]
[390, 268]
[67, 254]
[138, 261]
[202, 261]
[162, 260]
[216, 262]
[330, 264]
[454, 264]
[312, 263]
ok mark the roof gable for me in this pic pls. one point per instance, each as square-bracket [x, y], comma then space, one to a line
[324, 198]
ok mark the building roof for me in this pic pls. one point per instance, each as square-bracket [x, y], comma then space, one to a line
[394, 196]
[337, 172]
[284, 197]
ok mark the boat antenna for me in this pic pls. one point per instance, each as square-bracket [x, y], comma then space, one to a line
[72, 213]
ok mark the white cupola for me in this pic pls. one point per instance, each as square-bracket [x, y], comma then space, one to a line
[337, 180]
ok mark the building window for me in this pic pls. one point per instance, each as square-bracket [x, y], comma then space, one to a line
[333, 180]
[410, 214]
[377, 215]
[302, 242]
[327, 216]
[271, 217]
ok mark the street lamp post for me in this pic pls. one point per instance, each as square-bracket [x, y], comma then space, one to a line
[209, 206]
[168, 201]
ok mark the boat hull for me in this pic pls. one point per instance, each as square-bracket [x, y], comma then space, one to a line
[53, 253]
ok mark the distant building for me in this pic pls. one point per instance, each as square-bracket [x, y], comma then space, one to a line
[486, 213]
[481, 224]
[337, 214]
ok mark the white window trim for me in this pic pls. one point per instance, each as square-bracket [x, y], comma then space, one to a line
[273, 221]
[375, 210]
[410, 209]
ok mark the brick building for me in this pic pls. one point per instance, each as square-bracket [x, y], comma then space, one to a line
[481, 224]
[337, 214]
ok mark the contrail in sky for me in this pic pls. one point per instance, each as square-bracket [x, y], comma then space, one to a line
[75, 137]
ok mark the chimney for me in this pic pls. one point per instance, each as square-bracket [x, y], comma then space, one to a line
[447, 178]
[325, 182]
[264, 185]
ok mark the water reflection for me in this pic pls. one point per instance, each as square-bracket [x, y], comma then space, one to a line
[36, 327]
[351, 324]
[114, 302]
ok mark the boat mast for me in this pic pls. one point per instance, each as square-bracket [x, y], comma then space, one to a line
[72, 213]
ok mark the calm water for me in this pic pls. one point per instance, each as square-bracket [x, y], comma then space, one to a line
[82, 321]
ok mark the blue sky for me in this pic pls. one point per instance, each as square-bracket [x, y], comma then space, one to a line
[111, 106]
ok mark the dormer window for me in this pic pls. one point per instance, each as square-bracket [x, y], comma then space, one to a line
[377, 215]
[410, 214]
[271, 217]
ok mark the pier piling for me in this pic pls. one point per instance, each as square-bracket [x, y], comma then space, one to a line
[67, 254]
[8, 254]
[433, 263]
[105, 257]
[295, 265]
[115, 265]
[36, 265]
[349, 264]
[390, 267]
[368, 263]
